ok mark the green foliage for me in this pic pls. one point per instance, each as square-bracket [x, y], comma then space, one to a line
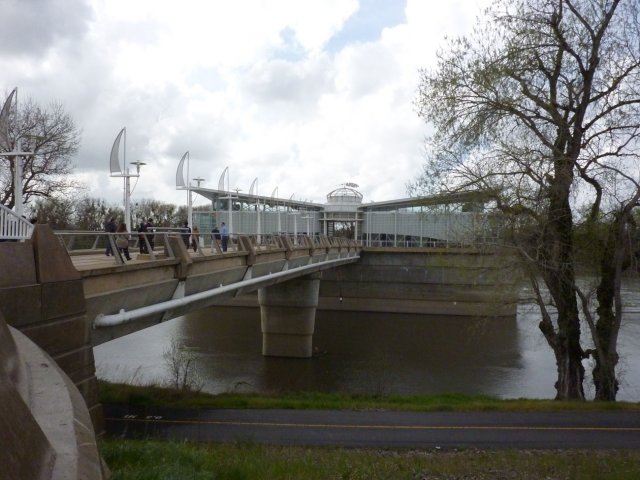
[540, 107]
[146, 460]
[57, 212]
[154, 396]
[91, 214]
[590, 238]
[163, 214]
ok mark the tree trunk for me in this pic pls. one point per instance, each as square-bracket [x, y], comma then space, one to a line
[604, 378]
[605, 353]
[568, 353]
[569, 385]
[606, 356]
[559, 276]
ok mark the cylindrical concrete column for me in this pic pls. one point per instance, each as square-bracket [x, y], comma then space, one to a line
[288, 315]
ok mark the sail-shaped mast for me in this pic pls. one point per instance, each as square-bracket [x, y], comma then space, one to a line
[114, 163]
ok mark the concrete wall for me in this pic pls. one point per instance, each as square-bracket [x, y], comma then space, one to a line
[46, 427]
[41, 294]
[421, 281]
[425, 281]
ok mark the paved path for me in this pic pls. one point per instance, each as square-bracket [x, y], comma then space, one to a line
[381, 429]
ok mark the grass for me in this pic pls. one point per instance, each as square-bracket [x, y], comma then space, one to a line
[147, 460]
[158, 460]
[152, 396]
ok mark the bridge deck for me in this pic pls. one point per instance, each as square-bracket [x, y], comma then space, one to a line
[92, 261]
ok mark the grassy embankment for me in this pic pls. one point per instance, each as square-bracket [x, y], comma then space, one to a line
[152, 396]
[146, 460]
[150, 459]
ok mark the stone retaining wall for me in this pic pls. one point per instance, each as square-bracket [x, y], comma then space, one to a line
[41, 294]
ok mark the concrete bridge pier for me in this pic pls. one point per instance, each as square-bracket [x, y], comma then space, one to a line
[288, 315]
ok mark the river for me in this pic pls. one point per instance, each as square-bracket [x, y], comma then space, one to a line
[366, 353]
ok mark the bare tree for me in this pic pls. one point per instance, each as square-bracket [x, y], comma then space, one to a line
[51, 134]
[57, 212]
[92, 213]
[163, 214]
[182, 366]
[540, 107]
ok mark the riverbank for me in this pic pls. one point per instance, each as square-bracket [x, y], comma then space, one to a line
[146, 458]
[155, 396]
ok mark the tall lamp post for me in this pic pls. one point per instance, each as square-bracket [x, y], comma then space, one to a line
[198, 180]
[5, 144]
[180, 183]
[16, 154]
[229, 197]
[127, 177]
[116, 171]
[18, 204]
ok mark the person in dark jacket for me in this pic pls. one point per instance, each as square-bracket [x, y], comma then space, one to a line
[186, 233]
[150, 235]
[142, 229]
[110, 227]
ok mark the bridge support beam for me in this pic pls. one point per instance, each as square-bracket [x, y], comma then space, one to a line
[288, 315]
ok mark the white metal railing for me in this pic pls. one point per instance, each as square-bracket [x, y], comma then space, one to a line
[156, 244]
[87, 242]
[12, 226]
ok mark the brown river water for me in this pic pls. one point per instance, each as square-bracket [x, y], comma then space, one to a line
[368, 353]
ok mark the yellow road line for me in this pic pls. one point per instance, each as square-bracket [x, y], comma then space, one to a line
[376, 427]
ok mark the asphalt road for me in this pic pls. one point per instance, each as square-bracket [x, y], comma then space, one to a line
[380, 429]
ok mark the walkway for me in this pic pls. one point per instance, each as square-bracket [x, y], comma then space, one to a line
[100, 260]
[380, 429]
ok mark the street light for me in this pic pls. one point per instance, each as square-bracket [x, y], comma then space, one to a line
[190, 209]
[229, 197]
[16, 154]
[128, 195]
[116, 171]
[181, 184]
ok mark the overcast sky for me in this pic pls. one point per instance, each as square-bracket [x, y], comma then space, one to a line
[304, 95]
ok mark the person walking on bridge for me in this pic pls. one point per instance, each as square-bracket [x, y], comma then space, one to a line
[150, 235]
[142, 230]
[195, 238]
[122, 240]
[224, 234]
[215, 239]
[110, 227]
[185, 234]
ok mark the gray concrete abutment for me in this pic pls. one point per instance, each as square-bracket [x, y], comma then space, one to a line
[422, 281]
[41, 294]
[426, 281]
[288, 315]
[48, 386]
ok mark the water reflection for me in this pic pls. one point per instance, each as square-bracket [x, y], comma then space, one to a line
[369, 353]
[361, 353]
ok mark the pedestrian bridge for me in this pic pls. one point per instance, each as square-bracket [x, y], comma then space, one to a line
[122, 297]
[67, 296]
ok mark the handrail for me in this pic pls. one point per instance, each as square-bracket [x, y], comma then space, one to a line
[264, 241]
[123, 316]
[13, 226]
